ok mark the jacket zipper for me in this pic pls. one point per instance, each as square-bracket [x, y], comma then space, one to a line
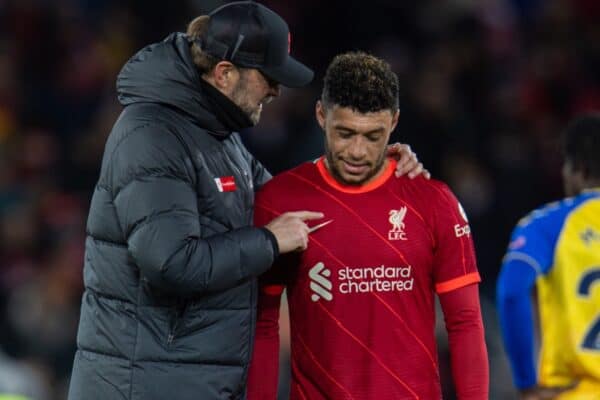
[172, 326]
[248, 194]
[244, 175]
[175, 319]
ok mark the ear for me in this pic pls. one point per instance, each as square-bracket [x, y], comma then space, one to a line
[225, 76]
[395, 119]
[320, 113]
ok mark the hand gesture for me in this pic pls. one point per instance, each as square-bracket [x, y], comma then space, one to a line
[290, 230]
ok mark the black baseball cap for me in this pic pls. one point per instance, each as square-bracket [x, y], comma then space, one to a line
[250, 35]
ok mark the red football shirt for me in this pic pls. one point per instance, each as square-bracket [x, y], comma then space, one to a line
[361, 297]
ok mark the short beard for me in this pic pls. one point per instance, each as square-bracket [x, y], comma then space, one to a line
[338, 176]
[238, 95]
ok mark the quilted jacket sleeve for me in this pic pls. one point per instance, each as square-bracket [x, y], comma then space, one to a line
[156, 203]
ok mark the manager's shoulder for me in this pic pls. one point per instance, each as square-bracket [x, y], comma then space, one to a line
[139, 147]
[141, 128]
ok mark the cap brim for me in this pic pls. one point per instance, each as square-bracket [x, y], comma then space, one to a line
[290, 74]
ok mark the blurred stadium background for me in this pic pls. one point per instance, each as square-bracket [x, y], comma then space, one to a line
[487, 86]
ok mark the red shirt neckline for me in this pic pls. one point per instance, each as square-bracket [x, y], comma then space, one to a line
[372, 185]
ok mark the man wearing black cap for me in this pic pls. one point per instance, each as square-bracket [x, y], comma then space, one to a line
[171, 257]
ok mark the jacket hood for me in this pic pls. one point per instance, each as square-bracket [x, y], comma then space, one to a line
[164, 73]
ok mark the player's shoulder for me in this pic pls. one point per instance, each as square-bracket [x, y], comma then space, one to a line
[544, 225]
[431, 189]
[429, 197]
[553, 213]
[435, 185]
[289, 178]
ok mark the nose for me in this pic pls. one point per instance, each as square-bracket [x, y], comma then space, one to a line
[357, 149]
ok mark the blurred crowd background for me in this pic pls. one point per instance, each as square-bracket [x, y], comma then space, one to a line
[486, 88]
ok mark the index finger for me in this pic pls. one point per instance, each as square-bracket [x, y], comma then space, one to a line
[306, 215]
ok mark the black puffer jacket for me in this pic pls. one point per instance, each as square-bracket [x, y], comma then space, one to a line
[170, 261]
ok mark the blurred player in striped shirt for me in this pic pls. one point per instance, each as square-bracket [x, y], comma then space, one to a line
[361, 297]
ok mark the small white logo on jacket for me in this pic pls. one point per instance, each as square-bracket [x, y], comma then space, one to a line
[225, 184]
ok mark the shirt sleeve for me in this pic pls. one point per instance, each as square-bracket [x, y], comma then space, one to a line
[454, 263]
[263, 375]
[515, 311]
[529, 255]
[468, 353]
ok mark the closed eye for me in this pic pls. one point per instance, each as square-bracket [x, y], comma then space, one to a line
[345, 134]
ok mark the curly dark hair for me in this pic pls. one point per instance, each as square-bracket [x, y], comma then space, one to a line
[582, 144]
[362, 82]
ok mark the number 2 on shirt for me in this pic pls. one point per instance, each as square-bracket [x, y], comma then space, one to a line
[592, 338]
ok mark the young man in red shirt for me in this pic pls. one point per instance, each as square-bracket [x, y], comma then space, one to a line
[361, 296]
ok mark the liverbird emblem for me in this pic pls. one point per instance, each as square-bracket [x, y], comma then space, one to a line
[397, 220]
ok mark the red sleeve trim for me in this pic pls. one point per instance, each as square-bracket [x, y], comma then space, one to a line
[273, 290]
[456, 283]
